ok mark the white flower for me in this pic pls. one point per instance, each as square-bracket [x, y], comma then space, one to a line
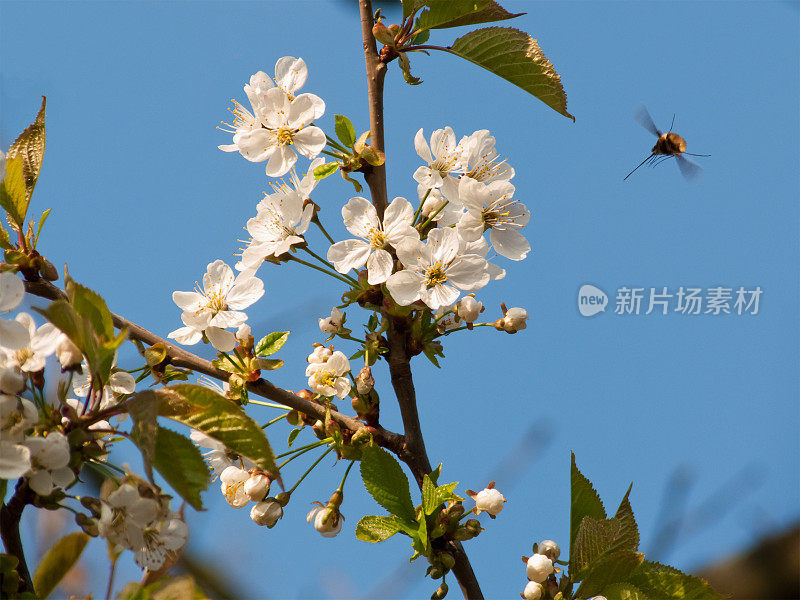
[326, 521]
[233, 479]
[243, 119]
[533, 591]
[257, 487]
[442, 204]
[481, 248]
[11, 381]
[490, 501]
[514, 320]
[320, 354]
[539, 567]
[446, 319]
[15, 459]
[286, 131]
[13, 334]
[221, 299]
[443, 157]
[550, 549]
[17, 415]
[491, 206]
[432, 269]
[160, 539]
[267, 512]
[333, 323]
[49, 458]
[119, 383]
[469, 309]
[327, 378]
[481, 160]
[32, 356]
[280, 223]
[361, 220]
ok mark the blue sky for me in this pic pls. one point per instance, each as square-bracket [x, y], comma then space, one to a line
[142, 200]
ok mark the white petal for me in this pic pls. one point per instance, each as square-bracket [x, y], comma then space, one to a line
[228, 318]
[510, 243]
[12, 290]
[348, 254]
[256, 145]
[122, 382]
[360, 217]
[405, 287]
[190, 301]
[41, 482]
[13, 335]
[291, 73]
[310, 141]
[379, 267]
[282, 159]
[421, 146]
[244, 293]
[440, 295]
[187, 336]
[221, 339]
[15, 460]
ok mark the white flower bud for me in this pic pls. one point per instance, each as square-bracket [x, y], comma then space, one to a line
[550, 549]
[468, 309]
[365, 381]
[490, 501]
[539, 567]
[267, 512]
[514, 320]
[320, 354]
[332, 324]
[243, 334]
[327, 521]
[11, 381]
[533, 591]
[68, 354]
[257, 487]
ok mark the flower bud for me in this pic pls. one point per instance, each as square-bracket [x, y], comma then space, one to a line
[68, 354]
[88, 524]
[515, 320]
[382, 34]
[441, 592]
[533, 591]
[539, 567]
[267, 512]
[365, 381]
[48, 270]
[257, 487]
[473, 527]
[12, 382]
[327, 521]
[447, 560]
[468, 309]
[550, 549]
[489, 500]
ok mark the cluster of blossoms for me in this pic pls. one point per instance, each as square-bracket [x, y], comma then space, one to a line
[36, 448]
[539, 568]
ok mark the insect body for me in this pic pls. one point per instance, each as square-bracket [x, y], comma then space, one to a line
[668, 145]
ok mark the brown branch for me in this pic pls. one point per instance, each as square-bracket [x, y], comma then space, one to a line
[376, 71]
[416, 456]
[10, 515]
[182, 358]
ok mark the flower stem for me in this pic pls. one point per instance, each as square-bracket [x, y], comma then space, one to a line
[418, 212]
[334, 144]
[305, 448]
[275, 420]
[327, 264]
[318, 223]
[270, 404]
[311, 468]
[433, 216]
[474, 325]
[346, 473]
[320, 269]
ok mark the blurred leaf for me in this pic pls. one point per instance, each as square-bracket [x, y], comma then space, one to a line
[271, 343]
[61, 314]
[516, 57]
[218, 417]
[29, 146]
[57, 562]
[144, 432]
[662, 581]
[625, 591]
[182, 466]
[585, 502]
[387, 484]
[13, 196]
[375, 528]
[345, 130]
[442, 14]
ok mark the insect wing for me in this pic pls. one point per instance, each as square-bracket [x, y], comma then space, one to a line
[689, 169]
[645, 120]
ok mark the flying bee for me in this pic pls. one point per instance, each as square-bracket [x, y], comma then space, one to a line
[668, 145]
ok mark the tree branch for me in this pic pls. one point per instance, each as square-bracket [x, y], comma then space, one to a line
[376, 71]
[10, 515]
[416, 456]
[181, 358]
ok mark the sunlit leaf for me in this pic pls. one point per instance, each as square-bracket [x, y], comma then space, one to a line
[57, 562]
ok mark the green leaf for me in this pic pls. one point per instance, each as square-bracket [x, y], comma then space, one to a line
[43, 218]
[375, 528]
[218, 417]
[12, 192]
[90, 305]
[387, 484]
[356, 185]
[5, 241]
[322, 171]
[29, 147]
[614, 567]
[629, 530]
[345, 130]
[61, 314]
[516, 57]
[625, 591]
[442, 14]
[445, 493]
[271, 343]
[57, 562]
[293, 436]
[181, 465]
[429, 501]
[662, 581]
[585, 502]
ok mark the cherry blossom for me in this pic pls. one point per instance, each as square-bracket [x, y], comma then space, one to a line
[13, 334]
[444, 156]
[328, 378]
[481, 159]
